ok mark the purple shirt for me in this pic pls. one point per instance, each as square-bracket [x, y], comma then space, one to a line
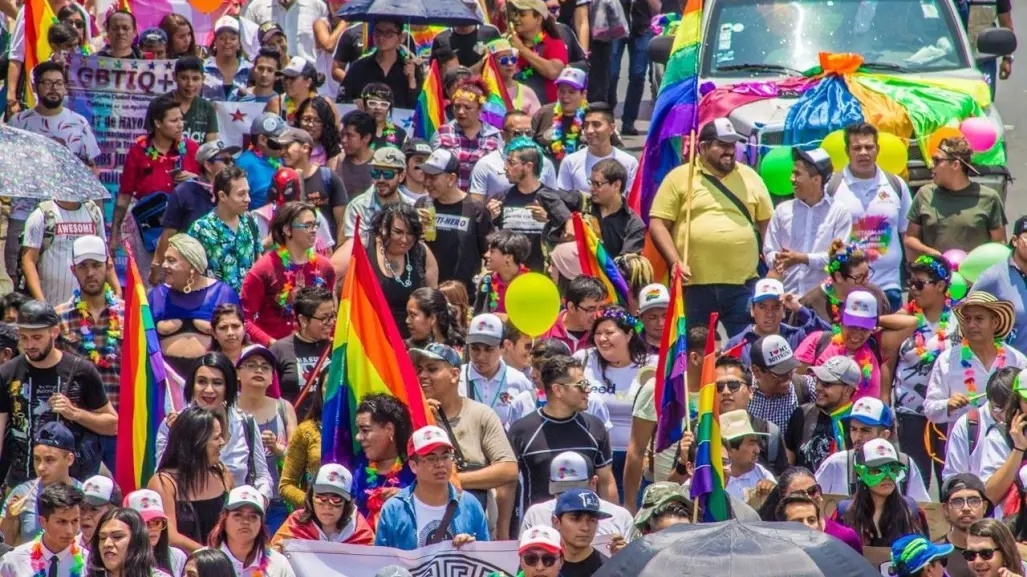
[843, 534]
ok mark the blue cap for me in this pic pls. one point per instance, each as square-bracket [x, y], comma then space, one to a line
[579, 501]
[436, 352]
[55, 434]
[871, 412]
[912, 553]
[153, 36]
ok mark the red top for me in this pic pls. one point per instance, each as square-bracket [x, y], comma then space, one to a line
[552, 49]
[293, 528]
[559, 332]
[144, 175]
[265, 318]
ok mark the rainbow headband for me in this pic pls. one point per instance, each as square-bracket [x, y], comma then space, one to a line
[836, 262]
[623, 316]
[941, 270]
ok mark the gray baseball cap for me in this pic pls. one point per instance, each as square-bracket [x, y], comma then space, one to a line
[268, 124]
[839, 369]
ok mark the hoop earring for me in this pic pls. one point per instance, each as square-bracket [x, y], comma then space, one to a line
[189, 283]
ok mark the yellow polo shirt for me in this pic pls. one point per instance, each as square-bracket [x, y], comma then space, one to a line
[723, 247]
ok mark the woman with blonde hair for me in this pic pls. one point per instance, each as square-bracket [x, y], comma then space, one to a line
[638, 273]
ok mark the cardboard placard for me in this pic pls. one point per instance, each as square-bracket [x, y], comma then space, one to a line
[937, 526]
[880, 558]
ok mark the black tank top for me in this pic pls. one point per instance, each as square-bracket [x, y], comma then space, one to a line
[196, 518]
[395, 293]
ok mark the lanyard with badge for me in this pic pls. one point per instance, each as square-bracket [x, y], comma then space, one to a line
[476, 394]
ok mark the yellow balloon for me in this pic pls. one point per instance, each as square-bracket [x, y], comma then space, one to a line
[834, 145]
[533, 303]
[893, 153]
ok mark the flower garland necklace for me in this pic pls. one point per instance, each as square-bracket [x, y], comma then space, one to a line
[265, 562]
[110, 351]
[154, 154]
[291, 268]
[866, 366]
[562, 143]
[966, 355]
[389, 134]
[922, 328]
[274, 162]
[493, 283]
[39, 564]
[527, 72]
[834, 306]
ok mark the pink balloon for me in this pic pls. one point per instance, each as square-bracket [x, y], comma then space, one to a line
[979, 132]
[955, 256]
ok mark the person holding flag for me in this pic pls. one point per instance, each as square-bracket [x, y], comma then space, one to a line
[522, 97]
[467, 136]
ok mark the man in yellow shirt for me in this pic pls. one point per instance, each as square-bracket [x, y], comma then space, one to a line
[731, 209]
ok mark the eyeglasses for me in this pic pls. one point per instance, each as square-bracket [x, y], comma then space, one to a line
[225, 160]
[377, 104]
[532, 559]
[329, 499]
[588, 310]
[77, 24]
[732, 385]
[581, 385]
[378, 174]
[597, 183]
[508, 60]
[48, 84]
[940, 159]
[919, 284]
[812, 492]
[971, 554]
[312, 225]
[433, 460]
[960, 502]
[861, 279]
[157, 525]
[311, 121]
[526, 133]
[258, 367]
[326, 318]
[386, 33]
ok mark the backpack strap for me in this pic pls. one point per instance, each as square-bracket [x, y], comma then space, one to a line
[810, 415]
[822, 342]
[973, 428]
[851, 471]
[894, 181]
[904, 484]
[97, 215]
[833, 184]
[250, 430]
[49, 210]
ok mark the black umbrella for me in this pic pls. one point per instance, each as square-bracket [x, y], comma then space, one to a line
[733, 548]
[435, 12]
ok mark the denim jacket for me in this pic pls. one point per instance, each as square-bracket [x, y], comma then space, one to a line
[397, 525]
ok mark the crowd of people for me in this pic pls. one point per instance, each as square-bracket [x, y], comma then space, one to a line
[841, 340]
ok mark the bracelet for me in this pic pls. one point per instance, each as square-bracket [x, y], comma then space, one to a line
[1015, 448]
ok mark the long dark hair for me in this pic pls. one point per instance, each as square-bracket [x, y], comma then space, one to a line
[224, 310]
[998, 532]
[638, 351]
[211, 563]
[768, 511]
[138, 556]
[308, 515]
[329, 140]
[215, 360]
[432, 301]
[896, 518]
[162, 552]
[385, 409]
[186, 452]
[170, 25]
[219, 536]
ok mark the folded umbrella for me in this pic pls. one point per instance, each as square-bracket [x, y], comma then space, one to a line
[34, 166]
[437, 12]
[733, 548]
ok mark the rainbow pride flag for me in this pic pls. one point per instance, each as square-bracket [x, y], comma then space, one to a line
[596, 262]
[422, 37]
[708, 482]
[39, 17]
[671, 393]
[368, 356]
[147, 395]
[497, 103]
[429, 113]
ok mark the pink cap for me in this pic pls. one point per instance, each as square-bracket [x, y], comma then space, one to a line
[147, 503]
[540, 537]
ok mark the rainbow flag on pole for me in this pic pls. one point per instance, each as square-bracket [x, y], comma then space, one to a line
[596, 262]
[429, 113]
[39, 17]
[708, 482]
[147, 395]
[671, 392]
[368, 356]
[497, 103]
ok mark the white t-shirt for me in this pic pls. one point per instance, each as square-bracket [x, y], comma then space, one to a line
[67, 127]
[54, 265]
[498, 392]
[488, 177]
[178, 559]
[738, 486]
[297, 21]
[617, 387]
[621, 523]
[958, 457]
[428, 517]
[576, 169]
[878, 221]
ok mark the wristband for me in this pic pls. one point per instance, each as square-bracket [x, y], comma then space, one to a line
[1015, 448]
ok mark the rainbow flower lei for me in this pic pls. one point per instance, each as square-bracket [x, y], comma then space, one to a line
[110, 352]
[153, 153]
[561, 143]
[966, 355]
[265, 562]
[491, 285]
[866, 366]
[274, 162]
[527, 72]
[39, 565]
[389, 134]
[291, 269]
[834, 306]
[920, 336]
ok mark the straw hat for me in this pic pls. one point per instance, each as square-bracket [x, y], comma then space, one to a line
[1002, 309]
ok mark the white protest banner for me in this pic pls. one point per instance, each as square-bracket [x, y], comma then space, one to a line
[234, 119]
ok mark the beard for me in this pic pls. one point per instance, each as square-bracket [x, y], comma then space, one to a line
[42, 354]
[51, 102]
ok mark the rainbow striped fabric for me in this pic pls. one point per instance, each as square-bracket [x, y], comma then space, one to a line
[147, 395]
[39, 17]
[708, 482]
[368, 356]
[429, 112]
[596, 262]
[497, 103]
[671, 394]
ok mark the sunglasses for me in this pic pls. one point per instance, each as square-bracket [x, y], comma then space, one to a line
[508, 60]
[732, 386]
[532, 559]
[527, 133]
[157, 524]
[329, 499]
[378, 174]
[971, 554]
[812, 492]
[919, 284]
[581, 385]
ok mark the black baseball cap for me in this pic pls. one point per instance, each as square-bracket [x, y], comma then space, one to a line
[37, 315]
[55, 434]
[1020, 226]
[965, 482]
[720, 129]
[414, 146]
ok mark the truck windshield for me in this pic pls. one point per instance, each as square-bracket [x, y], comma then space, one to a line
[780, 37]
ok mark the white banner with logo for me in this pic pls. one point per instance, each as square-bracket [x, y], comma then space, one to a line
[234, 119]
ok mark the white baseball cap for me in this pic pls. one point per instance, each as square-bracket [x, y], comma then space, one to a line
[226, 23]
[486, 329]
[768, 288]
[98, 490]
[871, 411]
[242, 496]
[336, 479]
[736, 424]
[878, 452]
[147, 503]
[860, 310]
[88, 247]
[569, 470]
[427, 439]
[540, 537]
[653, 296]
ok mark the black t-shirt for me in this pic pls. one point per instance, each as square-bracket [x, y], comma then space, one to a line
[356, 178]
[367, 70]
[296, 359]
[24, 392]
[351, 45]
[460, 244]
[325, 191]
[516, 217]
[585, 568]
[469, 48]
[811, 452]
[537, 438]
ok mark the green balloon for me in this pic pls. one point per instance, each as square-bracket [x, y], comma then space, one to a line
[981, 258]
[958, 287]
[776, 171]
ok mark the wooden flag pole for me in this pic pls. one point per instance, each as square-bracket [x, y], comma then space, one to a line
[689, 193]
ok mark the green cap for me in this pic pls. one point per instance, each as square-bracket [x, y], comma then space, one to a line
[655, 497]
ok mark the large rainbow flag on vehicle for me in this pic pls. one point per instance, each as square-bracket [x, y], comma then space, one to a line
[596, 262]
[671, 391]
[708, 482]
[429, 111]
[368, 356]
[147, 395]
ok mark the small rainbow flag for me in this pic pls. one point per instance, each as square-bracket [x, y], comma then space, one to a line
[596, 262]
[671, 394]
[708, 482]
[497, 103]
[39, 17]
[147, 395]
[429, 113]
[422, 37]
[368, 356]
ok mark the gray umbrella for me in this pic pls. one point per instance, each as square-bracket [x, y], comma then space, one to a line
[733, 548]
[34, 166]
